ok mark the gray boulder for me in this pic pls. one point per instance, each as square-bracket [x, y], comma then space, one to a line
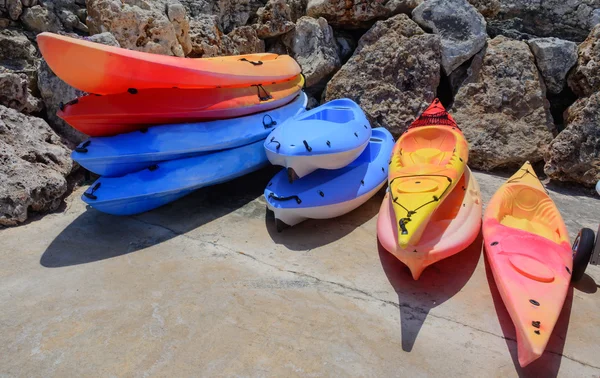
[15, 92]
[574, 155]
[40, 19]
[274, 19]
[502, 108]
[554, 57]
[34, 166]
[208, 40]
[314, 47]
[461, 26]
[393, 74]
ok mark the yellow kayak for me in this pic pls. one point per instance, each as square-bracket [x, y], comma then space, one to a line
[427, 162]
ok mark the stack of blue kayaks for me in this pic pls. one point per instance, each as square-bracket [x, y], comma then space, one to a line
[145, 169]
[334, 162]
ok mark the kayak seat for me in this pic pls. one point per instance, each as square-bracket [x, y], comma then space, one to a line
[428, 146]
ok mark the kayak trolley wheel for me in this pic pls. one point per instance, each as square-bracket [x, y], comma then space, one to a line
[595, 260]
[582, 251]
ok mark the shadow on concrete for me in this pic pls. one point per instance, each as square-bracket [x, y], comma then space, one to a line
[549, 363]
[314, 233]
[586, 284]
[95, 236]
[438, 283]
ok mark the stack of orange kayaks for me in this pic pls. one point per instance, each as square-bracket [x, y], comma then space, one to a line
[433, 206]
[529, 253]
[139, 89]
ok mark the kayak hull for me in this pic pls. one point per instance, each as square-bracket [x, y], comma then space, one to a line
[126, 153]
[101, 69]
[165, 182]
[330, 136]
[529, 253]
[453, 227]
[327, 194]
[126, 112]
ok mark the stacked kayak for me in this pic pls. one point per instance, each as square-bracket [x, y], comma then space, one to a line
[527, 246]
[162, 127]
[433, 206]
[334, 162]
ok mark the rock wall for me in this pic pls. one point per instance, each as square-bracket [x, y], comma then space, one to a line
[391, 56]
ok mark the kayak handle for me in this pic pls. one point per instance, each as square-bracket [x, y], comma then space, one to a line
[274, 141]
[91, 195]
[298, 200]
[83, 148]
[257, 63]
[271, 123]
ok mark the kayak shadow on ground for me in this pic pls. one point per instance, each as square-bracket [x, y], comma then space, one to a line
[96, 236]
[314, 233]
[438, 283]
[549, 363]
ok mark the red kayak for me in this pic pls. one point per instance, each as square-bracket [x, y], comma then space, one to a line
[96, 115]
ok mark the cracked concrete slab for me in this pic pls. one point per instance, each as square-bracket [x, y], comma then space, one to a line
[207, 287]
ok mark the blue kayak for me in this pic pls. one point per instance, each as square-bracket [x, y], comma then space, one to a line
[165, 182]
[328, 137]
[330, 193]
[131, 152]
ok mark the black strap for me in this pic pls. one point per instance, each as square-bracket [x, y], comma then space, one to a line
[308, 148]
[257, 63]
[274, 141]
[267, 95]
[298, 200]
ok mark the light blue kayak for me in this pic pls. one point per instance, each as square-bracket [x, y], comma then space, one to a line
[165, 182]
[122, 154]
[598, 187]
[330, 193]
[328, 137]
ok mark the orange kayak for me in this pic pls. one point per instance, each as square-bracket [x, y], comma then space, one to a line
[427, 162]
[101, 69]
[451, 229]
[529, 253]
[96, 115]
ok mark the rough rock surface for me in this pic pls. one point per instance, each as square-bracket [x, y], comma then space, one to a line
[461, 26]
[570, 20]
[40, 19]
[314, 47]
[574, 155]
[208, 40]
[346, 45]
[297, 8]
[554, 57]
[33, 169]
[274, 19]
[229, 14]
[17, 53]
[488, 8]
[585, 78]
[155, 27]
[502, 107]
[15, 92]
[357, 13]
[54, 91]
[393, 74]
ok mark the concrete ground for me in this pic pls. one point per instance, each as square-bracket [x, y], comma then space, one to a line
[207, 287]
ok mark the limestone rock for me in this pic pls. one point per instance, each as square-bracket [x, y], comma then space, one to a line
[393, 74]
[141, 25]
[585, 78]
[15, 92]
[570, 20]
[274, 19]
[105, 38]
[40, 19]
[245, 40]
[297, 8]
[357, 13]
[207, 39]
[462, 28]
[16, 51]
[554, 57]
[502, 107]
[33, 169]
[229, 14]
[488, 8]
[313, 46]
[14, 8]
[574, 155]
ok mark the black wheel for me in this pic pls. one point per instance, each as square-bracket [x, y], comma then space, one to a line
[582, 251]
[595, 260]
